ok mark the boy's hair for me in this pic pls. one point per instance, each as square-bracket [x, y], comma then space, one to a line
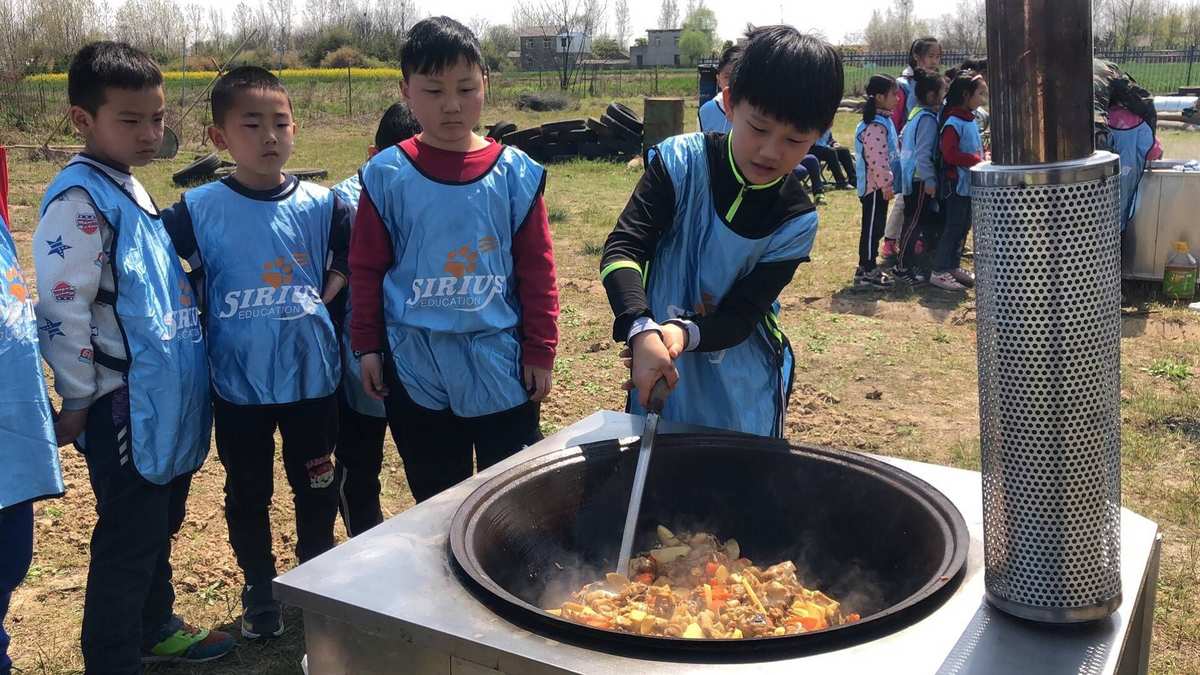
[396, 125]
[878, 84]
[977, 65]
[926, 82]
[811, 66]
[919, 48]
[101, 65]
[238, 80]
[729, 57]
[438, 43]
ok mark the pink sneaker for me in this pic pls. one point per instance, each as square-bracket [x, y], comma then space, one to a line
[946, 282]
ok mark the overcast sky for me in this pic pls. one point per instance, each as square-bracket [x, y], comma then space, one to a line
[833, 18]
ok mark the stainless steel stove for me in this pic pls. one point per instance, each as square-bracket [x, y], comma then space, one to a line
[390, 601]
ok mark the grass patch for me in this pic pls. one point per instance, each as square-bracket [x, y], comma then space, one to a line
[1170, 369]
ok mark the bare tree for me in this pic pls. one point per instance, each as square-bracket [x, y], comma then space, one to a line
[965, 28]
[668, 15]
[622, 27]
[572, 24]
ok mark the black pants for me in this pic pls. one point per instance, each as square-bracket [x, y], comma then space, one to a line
[246, 446]
[920, 224]
[16, 543]
[359, 460]
[840, 163]
[129, 595]
[435, 445]
[958, 224]
[874, 220]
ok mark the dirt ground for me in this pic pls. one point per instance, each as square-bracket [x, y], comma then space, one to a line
[889, 373]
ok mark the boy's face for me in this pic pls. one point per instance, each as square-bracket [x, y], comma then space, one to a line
[258, 131]
[723, 77]
[127, 128]
[448, 104]
[765, 148]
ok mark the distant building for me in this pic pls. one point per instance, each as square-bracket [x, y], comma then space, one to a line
[544, 48]
[661, 49]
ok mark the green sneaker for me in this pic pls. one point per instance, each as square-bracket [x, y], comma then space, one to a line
[183, 643]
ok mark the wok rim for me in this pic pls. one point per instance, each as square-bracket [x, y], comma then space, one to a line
[915, 606]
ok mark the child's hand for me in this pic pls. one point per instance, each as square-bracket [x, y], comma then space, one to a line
[930, 189]
[650, 360]
[538, 382]
[888, 192]
[371, 366]
[675, 338]
[334, 283]
[69, 425]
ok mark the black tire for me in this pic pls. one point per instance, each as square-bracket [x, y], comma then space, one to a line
[625, 115]
[308, 174]
[197, 171]
[563, 127]
[623, 148]
[584, 135]
[560, 152]
[599, 128]
[520, 138]
[594, 150]
[501, 129]
[170, 145]
[620, 131]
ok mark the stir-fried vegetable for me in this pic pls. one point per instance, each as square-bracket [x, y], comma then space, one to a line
[693, 586]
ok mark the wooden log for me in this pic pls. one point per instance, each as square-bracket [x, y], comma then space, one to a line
[663, 119]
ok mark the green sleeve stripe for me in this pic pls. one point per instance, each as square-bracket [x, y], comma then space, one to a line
[619, 265]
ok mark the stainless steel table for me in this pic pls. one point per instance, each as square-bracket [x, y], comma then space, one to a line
[389, 602]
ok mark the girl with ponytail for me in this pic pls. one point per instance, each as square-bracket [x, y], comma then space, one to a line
[876, 146]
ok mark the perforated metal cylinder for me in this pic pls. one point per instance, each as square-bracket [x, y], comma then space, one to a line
[1048, 263]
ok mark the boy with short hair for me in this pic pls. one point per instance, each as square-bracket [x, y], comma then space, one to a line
[453, 274]
[118, 324]
[264, 241]
[713, 233]
[363, 420]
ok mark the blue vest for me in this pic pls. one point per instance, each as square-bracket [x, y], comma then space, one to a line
[893, 153]
[826, 139]
[969, 141]
[743, 388]
[28, 450]
[908, 146]
[1132, 146]
[712, 118]
[270, 337]
[449, 299]
[349, 191]
[167, 369]
[909, 85]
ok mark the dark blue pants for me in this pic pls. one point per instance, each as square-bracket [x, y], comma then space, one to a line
[16, 552]
[129, 595]
[958, 224]
[810, 166]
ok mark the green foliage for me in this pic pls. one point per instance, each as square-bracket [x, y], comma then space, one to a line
[344, 57]
[328, 40]
[699, 38]
[607, 48]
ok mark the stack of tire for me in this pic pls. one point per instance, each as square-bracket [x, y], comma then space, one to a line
[616, 135]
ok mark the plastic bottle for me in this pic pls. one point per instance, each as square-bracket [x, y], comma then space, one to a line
[1179, 276]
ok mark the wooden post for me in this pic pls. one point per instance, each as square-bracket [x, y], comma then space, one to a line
[349, 93]
[663, 119]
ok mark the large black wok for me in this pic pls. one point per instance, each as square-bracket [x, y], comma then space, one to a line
[880, 540]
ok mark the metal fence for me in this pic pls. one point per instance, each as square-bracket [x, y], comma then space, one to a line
[36, 106]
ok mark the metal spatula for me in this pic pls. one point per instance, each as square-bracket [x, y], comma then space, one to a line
[658, 398]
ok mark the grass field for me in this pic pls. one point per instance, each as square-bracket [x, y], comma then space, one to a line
[891, 373]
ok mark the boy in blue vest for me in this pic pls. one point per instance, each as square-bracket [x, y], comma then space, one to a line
[119, 326]
[713, 233]
[265, 241]
[28, 450]
[362, 419]
[453, 275]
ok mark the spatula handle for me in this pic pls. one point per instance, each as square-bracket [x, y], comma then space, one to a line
[658, 396]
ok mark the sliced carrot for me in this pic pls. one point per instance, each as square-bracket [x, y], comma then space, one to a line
[645, 578]
[711, 569]
[852, 617]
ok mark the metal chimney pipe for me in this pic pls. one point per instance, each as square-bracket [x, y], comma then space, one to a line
[1047, 258]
